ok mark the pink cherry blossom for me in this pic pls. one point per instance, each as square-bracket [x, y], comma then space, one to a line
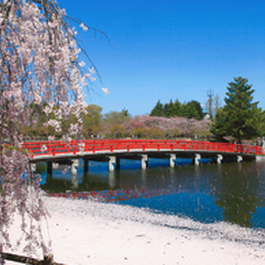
[39, 58]
[83, 27]
[105, 90]
[44, 148]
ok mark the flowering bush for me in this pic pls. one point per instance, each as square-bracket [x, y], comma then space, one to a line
[161, 127]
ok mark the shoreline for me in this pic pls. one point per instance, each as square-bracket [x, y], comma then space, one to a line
[89, 232]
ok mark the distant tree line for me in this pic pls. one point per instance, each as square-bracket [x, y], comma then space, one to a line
[117, 124]
[239, 119]
[191, 109]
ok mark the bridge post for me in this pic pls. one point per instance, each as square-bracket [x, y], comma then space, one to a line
[196, 159]
[172, 160]
[75, 163]
[112, 161]
[239, 158]
[219, 159]
[144, 161]
[85, 165]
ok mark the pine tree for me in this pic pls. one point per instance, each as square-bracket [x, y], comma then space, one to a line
[240, 117]
[178, 107]
[158, 110]
[192, 109]
[170, 109]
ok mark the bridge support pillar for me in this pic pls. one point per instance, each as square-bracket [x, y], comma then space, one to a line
[219, 159]
[112, 161]
[239, 158]
[196, 159]
[75, 164]
[144, 161]
[172, 160]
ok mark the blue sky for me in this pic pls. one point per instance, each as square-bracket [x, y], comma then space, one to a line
[166, 49]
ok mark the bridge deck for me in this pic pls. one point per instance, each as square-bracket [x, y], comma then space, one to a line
[58, 150]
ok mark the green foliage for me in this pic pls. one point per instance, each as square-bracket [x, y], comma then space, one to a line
[125, 113]
[170, 109]
[192, 109]
[91, 120]
[36, 128]
[113, 123]
[178, 108]
[158, 110]
[189, 110]
[240, 117]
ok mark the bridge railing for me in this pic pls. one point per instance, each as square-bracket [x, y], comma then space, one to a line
[128, 145]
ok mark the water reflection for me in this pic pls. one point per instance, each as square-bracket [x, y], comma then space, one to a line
[233, 192]
[238, 209]
[239, 192]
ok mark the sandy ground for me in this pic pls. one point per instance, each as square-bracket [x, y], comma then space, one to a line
[87, 232]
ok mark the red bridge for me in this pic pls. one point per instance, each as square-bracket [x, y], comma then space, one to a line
[114, 150]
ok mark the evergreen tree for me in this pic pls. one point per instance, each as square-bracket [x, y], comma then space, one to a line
[158, 110]
[178, 108]
[217, 128]
[198, 112]
[189, 110]
[240, 117]
[192, 109]
[170, 109]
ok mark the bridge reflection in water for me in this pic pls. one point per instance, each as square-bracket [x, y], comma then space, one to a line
[114, 195]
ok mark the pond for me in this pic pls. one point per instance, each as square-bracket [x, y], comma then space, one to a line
[231, 192]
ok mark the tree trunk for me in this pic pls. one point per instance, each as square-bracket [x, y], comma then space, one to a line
[48, 259]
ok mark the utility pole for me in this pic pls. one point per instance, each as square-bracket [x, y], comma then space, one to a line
[210, 101]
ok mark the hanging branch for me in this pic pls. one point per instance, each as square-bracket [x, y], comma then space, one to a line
[40, 66]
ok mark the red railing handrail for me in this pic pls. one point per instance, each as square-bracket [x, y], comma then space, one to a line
[98, 145]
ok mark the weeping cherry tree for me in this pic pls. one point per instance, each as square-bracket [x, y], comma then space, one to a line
[39, 65]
